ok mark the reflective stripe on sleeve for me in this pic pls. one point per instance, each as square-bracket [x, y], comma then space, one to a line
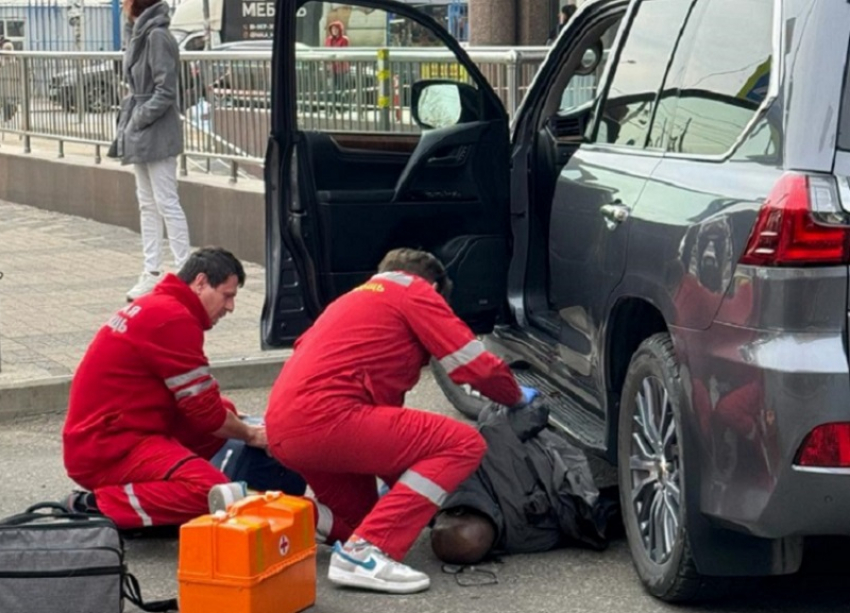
[181, 380]
[462, 356]
[396, 277]
[424, 487]
[194, 390]
[137, 506]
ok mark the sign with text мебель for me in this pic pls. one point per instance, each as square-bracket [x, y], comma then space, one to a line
[248, 20]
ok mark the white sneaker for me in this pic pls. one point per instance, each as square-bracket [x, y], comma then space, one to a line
[370, 568]
[147, 281]
[224, 495]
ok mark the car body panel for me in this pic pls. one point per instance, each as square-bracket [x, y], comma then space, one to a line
[587, 253]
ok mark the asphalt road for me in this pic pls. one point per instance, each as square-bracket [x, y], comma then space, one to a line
[559, 581]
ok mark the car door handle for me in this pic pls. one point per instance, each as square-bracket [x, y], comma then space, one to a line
[614, 214]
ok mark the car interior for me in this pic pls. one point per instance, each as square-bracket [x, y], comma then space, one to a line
[438, 189]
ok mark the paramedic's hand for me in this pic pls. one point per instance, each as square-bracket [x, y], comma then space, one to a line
[257, 437]
[528, 395]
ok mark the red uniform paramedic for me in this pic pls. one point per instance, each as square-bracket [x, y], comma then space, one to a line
[334, 416]
[144, 414]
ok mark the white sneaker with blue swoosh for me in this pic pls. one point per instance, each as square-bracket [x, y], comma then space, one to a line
[369, 568]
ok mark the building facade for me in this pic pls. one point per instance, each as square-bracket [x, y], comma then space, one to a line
[513, 22]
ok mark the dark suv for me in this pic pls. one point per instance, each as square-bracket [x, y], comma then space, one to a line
[667, 262]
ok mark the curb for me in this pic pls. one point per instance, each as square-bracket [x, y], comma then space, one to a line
[50, 395]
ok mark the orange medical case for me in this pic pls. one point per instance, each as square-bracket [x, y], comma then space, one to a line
[257, 557]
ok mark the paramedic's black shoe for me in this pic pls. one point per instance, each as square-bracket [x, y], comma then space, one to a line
[82, 502]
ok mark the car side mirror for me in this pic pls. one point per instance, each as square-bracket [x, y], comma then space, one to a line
[439, 104]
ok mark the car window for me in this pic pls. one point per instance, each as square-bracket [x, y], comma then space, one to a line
[195, 44]
[582, 88]
[626, 113]
[718, 79]
[339, 81]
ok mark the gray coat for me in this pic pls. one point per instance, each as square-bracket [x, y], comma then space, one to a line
[149, 124]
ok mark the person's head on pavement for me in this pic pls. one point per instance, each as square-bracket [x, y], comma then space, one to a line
[462, 536]
[419, 263]
[215, 275]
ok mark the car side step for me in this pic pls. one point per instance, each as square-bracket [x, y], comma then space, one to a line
[579, 424]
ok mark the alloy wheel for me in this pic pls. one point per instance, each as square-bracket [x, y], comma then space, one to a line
[655, 470]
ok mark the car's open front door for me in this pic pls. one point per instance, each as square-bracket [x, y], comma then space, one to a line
[384, 134]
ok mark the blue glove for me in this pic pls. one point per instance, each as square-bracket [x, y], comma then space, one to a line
[528, 394]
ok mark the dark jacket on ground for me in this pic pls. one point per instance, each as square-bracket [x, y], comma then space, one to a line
[536, 488]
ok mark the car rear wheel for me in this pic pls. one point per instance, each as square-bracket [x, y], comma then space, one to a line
[462, 397]
[651, 473]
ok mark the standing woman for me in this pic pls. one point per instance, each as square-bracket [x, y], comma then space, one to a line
[150, 134]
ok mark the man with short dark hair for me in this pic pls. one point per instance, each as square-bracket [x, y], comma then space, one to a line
[145, 415]
[335, 416]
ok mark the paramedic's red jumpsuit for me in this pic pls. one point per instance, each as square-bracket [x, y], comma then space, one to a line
[335, 412]
[142, 410]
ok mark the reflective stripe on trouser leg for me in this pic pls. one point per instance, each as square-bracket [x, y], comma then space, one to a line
[137, 507]
[424, 487]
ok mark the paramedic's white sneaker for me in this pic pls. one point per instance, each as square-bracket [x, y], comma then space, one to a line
[370, 568]
[224, 495]
[147, 281]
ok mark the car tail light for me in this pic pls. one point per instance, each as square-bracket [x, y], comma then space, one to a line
[826, 446]
[802, 223]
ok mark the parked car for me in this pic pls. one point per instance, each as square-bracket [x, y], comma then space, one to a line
[668, 263]
[233, 82]
[101, 87]
[247, 83]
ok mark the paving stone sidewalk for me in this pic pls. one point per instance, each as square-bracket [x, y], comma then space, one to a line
[64, 276]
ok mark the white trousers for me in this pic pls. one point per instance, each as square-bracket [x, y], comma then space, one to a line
[156, 190]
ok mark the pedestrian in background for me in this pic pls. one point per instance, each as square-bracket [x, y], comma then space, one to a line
[564, 16]
[150, 135]
[339, 71]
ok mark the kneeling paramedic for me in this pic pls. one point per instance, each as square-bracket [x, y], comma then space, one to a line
[145, 415]
[335, 416]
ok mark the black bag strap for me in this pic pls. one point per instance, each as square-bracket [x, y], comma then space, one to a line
[132, 592]
[53, 506]
[58, 511]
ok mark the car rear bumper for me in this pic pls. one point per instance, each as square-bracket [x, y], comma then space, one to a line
[755, 396]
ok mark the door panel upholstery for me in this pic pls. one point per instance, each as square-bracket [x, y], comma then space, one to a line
[370, 200]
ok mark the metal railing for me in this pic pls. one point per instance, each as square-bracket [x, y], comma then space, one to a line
[72, 98]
